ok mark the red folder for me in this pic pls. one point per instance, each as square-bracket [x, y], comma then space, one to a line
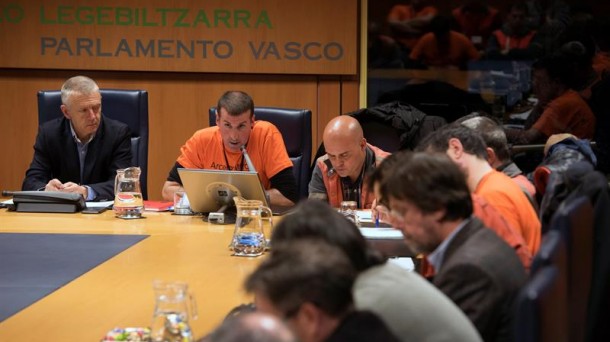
[157, 205]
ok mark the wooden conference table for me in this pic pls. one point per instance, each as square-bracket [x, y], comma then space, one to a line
[119, 292]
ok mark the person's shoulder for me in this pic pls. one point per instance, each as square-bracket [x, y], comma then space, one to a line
[458, 36]
[380, 153]
[206, 133]
[323, 159]
[54, 124]
[499, 181]
[487, 243]
[426, 38]
[265, 130]
[565, 99]
[264, 126]
[429, 10]
[113, 122]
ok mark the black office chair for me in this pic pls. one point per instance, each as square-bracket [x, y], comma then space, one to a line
[574, 220]
[552, 251]
[295, 126]
[541, 308]
[128, 106]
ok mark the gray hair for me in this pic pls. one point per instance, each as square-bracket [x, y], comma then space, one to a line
[78, 85]
[493, 134]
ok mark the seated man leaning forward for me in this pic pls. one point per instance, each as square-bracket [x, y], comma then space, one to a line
[81, 151]
[219, 148]
[430, 203]
[339, 175]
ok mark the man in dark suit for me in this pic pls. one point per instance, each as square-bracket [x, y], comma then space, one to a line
[430, 202]
[81, 151]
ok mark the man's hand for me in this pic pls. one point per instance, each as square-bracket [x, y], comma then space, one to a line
[75, 188]
[169, 188]
[54, 185]
[276, 198]
[380, 212]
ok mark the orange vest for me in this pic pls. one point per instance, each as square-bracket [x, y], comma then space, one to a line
[332, 181]
[510, 42]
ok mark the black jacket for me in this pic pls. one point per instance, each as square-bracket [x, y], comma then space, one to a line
[56, 156]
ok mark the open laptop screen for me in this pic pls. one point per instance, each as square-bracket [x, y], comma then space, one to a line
[209, 190]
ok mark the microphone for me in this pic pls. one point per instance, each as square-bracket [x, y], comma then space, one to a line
[247, 158]
[252, 169]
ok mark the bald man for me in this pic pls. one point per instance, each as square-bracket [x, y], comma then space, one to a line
[339, 174]
[251, 327]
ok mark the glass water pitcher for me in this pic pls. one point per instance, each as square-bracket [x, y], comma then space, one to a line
[249, 237]
[175, 306]
[128, 202]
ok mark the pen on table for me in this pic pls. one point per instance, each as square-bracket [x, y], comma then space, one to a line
[376, 221]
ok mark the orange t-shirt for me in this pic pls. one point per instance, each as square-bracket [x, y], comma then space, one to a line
[568, 113]
[461, 50]
[507, 197]
[477, 24]
[525, 185]
[493, 220]
[205, 150]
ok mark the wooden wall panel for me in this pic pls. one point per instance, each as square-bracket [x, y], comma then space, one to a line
[329, 106]
[349, 94]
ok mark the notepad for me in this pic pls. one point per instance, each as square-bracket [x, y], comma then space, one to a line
[365, 215]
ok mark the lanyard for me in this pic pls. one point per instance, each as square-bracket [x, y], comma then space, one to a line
[241, 164]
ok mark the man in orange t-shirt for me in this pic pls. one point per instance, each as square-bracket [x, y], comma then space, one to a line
[498, 155]
[564, 111]
[443, 48]
[477, 21]
[219, 148]
[467, 149]
[485, 212]
[409, 21]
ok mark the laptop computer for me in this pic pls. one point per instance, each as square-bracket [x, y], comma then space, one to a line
[210, 190]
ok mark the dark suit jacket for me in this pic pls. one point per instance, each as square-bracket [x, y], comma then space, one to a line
[482, 274]
[56, 156]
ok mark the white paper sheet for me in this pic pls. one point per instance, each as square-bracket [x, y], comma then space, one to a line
[365, 215]
[381, 233]
[102, 204]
